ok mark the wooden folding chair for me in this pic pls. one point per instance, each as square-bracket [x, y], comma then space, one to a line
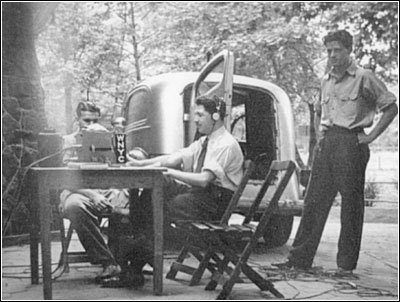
[221, 239]
[190, 245]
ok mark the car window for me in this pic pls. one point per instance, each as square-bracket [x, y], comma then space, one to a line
[238, 122]
[136, 115]
[205, 86]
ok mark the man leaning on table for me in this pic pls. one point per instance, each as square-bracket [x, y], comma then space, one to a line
[83, 207]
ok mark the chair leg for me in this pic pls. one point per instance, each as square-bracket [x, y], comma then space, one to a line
[222, 267]
[228, 285]
[181, 257]
[241, 266]
[210, 266]
[196, 273]
[204, 263]
[63, 266]
[260, 281]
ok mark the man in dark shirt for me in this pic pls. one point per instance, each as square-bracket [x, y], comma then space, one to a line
[349, 98]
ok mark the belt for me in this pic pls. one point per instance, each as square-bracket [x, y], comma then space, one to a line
[213, 187]
[336, 128]
[224, 190]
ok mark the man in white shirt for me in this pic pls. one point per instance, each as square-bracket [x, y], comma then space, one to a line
[83, 206]
[199, 184]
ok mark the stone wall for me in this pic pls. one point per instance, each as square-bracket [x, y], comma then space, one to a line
[22, 112]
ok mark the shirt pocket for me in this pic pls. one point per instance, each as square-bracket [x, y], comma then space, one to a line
[349, 97]
[348, 107]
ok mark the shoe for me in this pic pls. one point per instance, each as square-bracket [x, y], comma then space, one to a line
[108, 271]
[284, 265]
[128, 244]
[341, 272]
[124, 280]
[289, 264]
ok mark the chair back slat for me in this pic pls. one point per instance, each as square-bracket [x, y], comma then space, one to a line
[273, 204]
[275, 167]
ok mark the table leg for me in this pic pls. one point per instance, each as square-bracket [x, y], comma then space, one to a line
[34, 235]
[45, 218]
[158, 219]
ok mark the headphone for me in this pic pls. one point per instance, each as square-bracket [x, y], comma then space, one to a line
[217, 114]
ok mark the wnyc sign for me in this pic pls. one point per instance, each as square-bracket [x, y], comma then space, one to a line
[120, 150]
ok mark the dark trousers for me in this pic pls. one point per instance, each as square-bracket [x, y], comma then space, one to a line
[180, 203]
[339, 166]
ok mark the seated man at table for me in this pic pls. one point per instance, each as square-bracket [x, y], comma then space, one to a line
[199, 184]
[83, 207]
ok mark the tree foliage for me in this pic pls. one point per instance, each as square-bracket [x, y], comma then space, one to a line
[105, 48]
[84, 56]
[374, 26]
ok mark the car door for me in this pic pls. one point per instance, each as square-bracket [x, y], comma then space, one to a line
[216, 78]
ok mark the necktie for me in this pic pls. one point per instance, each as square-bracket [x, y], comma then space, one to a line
[202, 156]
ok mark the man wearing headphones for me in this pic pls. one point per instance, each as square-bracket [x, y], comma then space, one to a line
[199, 184]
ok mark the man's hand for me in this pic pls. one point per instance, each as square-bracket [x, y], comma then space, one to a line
[132, 162]
[94, 128]
[61, 207]
[101, 203]
[388, 114]
[169, 172]
[364, 138]
[138, 153]
[134, 157]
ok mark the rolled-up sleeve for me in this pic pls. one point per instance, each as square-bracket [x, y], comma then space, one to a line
[226, 165]
[376, 90]
[214, 167]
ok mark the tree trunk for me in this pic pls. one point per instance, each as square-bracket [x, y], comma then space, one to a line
[23, 108]
[135, 44]
[68, 109]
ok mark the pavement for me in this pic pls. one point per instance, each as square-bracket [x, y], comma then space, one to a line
[376, 277]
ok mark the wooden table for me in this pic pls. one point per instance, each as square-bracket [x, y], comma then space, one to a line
[47, 179]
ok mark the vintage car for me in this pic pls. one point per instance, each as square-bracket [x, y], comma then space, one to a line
[259, 114]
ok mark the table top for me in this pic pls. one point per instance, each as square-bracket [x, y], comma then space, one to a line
[89, 166]
[97, 178]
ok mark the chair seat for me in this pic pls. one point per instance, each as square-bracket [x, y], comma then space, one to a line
[205, 228]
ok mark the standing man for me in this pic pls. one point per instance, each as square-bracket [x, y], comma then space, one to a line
[199, 184]
[83, 207]
[349, 99]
